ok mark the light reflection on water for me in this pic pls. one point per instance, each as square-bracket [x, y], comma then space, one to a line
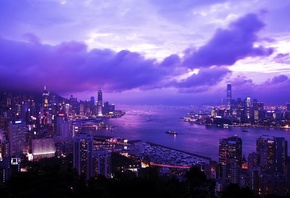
[149, 123]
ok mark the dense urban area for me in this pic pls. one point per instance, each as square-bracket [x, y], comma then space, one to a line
[47, 149]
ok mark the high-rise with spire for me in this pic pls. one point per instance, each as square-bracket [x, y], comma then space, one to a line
[100, 103]
[45, 119]
[229, 96]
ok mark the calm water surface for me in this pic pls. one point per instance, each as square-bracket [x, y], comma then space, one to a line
[149, 123]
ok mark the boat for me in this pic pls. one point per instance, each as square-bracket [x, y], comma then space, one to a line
[171, 132]
[245, 130]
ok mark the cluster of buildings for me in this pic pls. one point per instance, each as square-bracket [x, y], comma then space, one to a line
[243, 112]
[265, 171]
[33, 127]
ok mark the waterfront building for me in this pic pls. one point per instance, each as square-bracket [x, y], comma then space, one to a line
[229, 97]
[92, 106]
[82, 110]
[230, 159]
[288, 107]
[108, 109]
[247, 109]
[100, 103]
[83, 155]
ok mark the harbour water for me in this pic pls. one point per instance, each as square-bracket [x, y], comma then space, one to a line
[150, 123]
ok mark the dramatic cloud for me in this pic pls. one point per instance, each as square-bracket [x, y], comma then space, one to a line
[69, 66]
[229, 45]
[147, 50]
[204, 77]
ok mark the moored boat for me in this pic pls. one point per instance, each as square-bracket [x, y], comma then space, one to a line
[171, 132]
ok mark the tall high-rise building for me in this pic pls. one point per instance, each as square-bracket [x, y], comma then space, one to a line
[103, 164]
[281, 154]
[273, 153]
[230, 148]
[229, 96]
[92, 105]
[45, 107]
[288, 106]
[230, 159]
[246, 117]
[45, 99]
[83, 155]
[100, 103]
[62, 132]
[17, 138]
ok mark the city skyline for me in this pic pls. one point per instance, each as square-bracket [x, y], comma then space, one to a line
[147, 52]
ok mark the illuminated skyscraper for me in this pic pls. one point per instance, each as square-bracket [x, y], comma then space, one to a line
[45, 96]
[17, 138]
[45, 107]
[100, 103]
[230, 148]
[229, 96]
[272, 152]
[83, 155]
[103, 163]
[230, 159]
[92, 105]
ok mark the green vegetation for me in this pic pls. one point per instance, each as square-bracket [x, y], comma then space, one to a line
[56, 178]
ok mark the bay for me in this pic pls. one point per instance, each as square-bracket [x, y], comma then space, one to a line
[149, 124]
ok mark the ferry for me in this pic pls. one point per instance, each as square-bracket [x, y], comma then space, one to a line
[171, 132]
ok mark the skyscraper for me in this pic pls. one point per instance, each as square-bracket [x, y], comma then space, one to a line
[102, 163]
[229, 96]
[100, 103]
[45, 107]
[230, 148]
[273, 153]
[17, 136]
[230, 159]
[83, 155]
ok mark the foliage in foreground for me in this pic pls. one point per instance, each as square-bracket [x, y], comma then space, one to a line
[56, 178]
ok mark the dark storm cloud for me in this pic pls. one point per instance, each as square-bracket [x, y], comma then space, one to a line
[229, 45]
[69, 66]
[171, 61]
[205, 77]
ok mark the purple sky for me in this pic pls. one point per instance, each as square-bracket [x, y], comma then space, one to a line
[147, 51]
